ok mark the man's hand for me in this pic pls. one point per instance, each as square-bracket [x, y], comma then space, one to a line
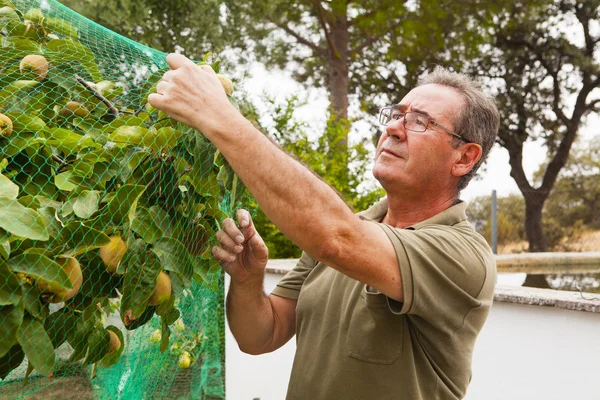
[193, 95]
[241, 252]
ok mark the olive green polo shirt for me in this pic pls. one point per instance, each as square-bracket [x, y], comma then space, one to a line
[356, 343]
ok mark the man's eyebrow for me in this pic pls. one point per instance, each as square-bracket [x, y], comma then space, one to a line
[404, 107]
[422, 112]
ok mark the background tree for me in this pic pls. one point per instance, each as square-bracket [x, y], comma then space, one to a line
[191, 27]
[544, 69]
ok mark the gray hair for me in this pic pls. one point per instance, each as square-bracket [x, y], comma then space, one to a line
[479, 120]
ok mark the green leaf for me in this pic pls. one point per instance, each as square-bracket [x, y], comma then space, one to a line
[8, 189]
[4, 248]
[27, 123]
[10, 288]
[62, 181]
[98, 340]
[112, 358]
[86, 204]
[21, 221]
[141, 271]
[14, 89]
[164, 337]
[167, 311]
[162, 219]
[76, 238]
[129, 135]
[68, 142]
[94, 271]
[174, 257]
[143, 224]
[60, 26]
[59, 324]
[31, 301]
[204, 185]
[161, 138]
[11, 360]
[83, 326]
[123, 205]
[10, 320]
[123, 120]
[41, 267]
[64, 51]
[36, 345]
[141, 320]
[16, 143]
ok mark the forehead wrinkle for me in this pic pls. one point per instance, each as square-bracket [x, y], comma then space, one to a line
[404, 107]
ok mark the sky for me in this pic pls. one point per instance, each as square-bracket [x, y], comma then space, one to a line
[496, 173]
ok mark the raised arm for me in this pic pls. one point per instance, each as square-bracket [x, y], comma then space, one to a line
[259, 323]
[300, 204]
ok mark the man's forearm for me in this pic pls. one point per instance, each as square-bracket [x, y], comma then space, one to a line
[300, 204]
[250, 317]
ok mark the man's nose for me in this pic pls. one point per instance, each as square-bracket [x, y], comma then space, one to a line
[396, 130]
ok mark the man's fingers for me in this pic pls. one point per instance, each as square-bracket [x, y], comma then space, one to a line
[207, 68]
[228, 242]
[243, 217]
[232, 230]
[161, 87]
[177, 61]
[168, 76]
[222, 255]
[156, 100]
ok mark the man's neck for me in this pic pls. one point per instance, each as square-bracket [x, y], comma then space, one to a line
[402, 213]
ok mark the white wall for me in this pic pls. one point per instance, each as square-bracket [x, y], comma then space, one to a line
[523, 353]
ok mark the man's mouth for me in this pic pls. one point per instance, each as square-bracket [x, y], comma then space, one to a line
[390, 153]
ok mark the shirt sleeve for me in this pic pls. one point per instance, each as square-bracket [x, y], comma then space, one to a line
[292, 282]
[443, 273]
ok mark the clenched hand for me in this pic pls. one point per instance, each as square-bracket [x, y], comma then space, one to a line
[193, 95]
[241, 252]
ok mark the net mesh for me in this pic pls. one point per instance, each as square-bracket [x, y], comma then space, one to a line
[108, 209]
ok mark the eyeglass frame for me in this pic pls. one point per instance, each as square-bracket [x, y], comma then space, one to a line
[429, 121]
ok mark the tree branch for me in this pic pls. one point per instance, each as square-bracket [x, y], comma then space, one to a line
[333, 50]
[318, 50]
[372, 39]
[111, 108]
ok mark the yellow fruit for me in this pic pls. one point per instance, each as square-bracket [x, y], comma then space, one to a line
[162, 290]
[72, 268]
[6, 126]
[115, 343]
[74, 108]
[185, 360]
[179, 325]
[226, 83]
[113, 252]
[156, 336]
[35, 66]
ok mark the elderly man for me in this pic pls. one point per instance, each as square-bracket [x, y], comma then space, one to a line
[385, 304]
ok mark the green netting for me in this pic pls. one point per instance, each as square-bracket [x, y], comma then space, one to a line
[108, 209]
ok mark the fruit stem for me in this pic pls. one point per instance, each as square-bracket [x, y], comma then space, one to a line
[111, 107]
[59, 160]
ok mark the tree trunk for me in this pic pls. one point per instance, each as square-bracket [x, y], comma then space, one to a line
[534, 203]
[338, 69]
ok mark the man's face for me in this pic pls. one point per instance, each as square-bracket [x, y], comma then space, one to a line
[420, 162]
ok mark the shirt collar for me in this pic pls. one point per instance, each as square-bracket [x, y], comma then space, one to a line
[450, 216]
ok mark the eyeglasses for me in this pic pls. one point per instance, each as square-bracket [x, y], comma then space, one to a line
[413, 121]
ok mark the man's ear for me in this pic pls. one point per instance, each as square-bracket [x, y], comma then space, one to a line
[470, 154]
